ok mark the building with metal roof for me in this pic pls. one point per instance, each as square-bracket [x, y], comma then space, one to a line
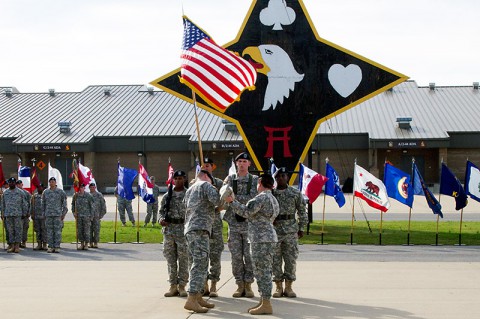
[131, 123]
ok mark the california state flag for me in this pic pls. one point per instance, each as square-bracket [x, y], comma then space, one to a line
[370, 189]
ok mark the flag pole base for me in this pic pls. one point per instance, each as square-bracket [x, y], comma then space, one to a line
[137, 242]
[75, 242]
[436, 244]
[459, 245]
[320, 243]
[114, 242]
[350, 244]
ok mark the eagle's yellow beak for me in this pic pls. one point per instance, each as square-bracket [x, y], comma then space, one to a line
[256, 59]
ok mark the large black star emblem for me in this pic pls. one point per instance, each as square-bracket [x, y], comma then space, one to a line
[302, 81]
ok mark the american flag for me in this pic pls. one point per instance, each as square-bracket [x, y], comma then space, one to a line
[217, 75]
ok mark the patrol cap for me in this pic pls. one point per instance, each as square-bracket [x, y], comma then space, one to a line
[19, 181]
[179, 173]
[82, 185]
[52, 179]
[209, 161]
[243, 155]
[92, 184]
[281, 170]
[11, 180]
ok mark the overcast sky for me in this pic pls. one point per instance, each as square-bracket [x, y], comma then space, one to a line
[70, 44]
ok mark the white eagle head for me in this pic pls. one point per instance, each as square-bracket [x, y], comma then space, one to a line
[275, 63]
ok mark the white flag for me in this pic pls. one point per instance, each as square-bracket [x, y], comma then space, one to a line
[53, 172]
[233, 169]
[370, 189]
[472, 181]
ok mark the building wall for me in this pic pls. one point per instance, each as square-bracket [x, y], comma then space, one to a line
[457, 159]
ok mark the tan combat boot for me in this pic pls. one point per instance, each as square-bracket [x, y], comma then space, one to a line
[265, 308]
[240, 290]
[85, 245]
[44, 246]
[81, 246]
[192, 303]
[213, 289]
[206, 292]
[39, 246]
[173, 291]
[23, 244]
[256, 305]
[248, 290]
[11, 248]
[95, 245]
[202, 302]
[181, 291]
[17, 248]
[50, 250]
[278, 289]
[288, 292]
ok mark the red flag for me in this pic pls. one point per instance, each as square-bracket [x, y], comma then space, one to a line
[85, 175]
[370, 189]
[2, 177]
[217, 75]
[310, 183]
[74, 175]
[170, 175]
[35, 180]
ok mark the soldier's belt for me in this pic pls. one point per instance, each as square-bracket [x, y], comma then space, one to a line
[285, 217]
[176, 220]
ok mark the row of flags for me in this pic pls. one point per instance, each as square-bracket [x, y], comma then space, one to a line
[29, 177]
[396, 184]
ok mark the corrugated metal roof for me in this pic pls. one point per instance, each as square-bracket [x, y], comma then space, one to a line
[434, 113]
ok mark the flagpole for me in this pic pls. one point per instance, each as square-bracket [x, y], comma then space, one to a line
[353, 205]
[3, 221]
[324, 204]
[409, 222]
[32, 205]
[460, 233]
[138, 208]
[438, 221]
[380, 232]
[200, 149]
[116, 210]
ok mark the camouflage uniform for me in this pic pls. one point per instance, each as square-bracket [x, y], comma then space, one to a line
[82, 206]
[99, 210]
[38, 217]
[291, 201]
[200, 201]
[14, 208]
[260, 213]
[26, 218]
[152, 209]
[216, 241]
[174, 243]
[125, 204]
[54, 202]
[238, 245]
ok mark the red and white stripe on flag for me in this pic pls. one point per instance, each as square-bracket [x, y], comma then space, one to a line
[370, 189]
[216, 74]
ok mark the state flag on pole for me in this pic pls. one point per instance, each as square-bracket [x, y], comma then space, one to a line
[451, 186]
[2, 177]
[472, 181]
[85, 176]
[125, 179]
[24, 176]
[398, 184]
[145, 186]
[35, 181]
[53, 172]
[170, 174]
[310, 183]
[420, 188]
[332, 187]
[216, 74]
[370, 189]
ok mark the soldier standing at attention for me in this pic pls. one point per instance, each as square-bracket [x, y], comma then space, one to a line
[26, 218]
[54, 201]
[288, 231]
[172, 218]
[216, 239]
[99, 210]
[260, 212]
[123, 205]
[82, 210]
[200, 201]
[244, 187]
[152, 208]
[14, 208]
[38, 217]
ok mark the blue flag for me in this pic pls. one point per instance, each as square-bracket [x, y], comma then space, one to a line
[126, 176]
[472, 181]
[398, 184]
[420, 188]
[451, 186]
[332, 187]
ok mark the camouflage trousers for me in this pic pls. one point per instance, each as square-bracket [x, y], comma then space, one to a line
[25, 226]
[83, 228]
[95, 230]
[175, 252]
[152, 210]
[262, 258]
[14, 228]
[198, 251]
[216, 249]
[5, 228]
[40, 229]
[286, 252]
[242, 268]
[54, 225]
[122, 207]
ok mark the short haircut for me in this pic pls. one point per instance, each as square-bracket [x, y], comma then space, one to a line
[266, 180]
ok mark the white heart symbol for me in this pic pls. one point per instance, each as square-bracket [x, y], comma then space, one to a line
[345, 80]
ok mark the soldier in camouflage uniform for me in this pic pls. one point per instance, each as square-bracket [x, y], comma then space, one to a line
[26, 218]
[152, 208]
[38, 217]
[123, 205]
[200, 201]
[288, 231]
[99, 210]
[260, 212]
[216, 239]
[82, 210]
[14, 208]
[244, 187]
[172, 218]
[54, 201]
